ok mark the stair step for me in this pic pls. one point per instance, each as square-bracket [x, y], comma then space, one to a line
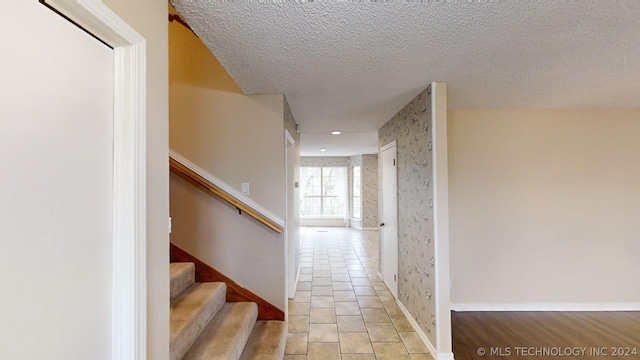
[225, 337]
[182, 274]
[267, 341]
[191, 312]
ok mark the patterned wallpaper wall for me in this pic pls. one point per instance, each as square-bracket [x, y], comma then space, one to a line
[369, 181]
[324, 161]
[411, 128]
[355, 160]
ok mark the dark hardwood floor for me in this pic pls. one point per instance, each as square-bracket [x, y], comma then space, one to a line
[546, 335]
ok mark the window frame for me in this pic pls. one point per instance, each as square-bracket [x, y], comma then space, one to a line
[322, 196]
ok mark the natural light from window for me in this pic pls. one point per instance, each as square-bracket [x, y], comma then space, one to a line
[323, 191]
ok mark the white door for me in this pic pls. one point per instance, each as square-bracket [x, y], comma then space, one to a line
[56, 187]
[291, 224]
[389, 218]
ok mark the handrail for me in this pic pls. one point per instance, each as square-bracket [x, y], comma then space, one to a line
[195, 179]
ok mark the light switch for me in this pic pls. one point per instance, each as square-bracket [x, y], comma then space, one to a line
[245, 188]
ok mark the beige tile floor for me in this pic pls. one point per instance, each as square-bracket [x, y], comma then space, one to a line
[342, 310]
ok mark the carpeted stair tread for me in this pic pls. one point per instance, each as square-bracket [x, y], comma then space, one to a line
[182, 276]
[225, 337]
[267, 341]
[191, 312]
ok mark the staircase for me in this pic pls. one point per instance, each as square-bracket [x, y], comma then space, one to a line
[206, 327]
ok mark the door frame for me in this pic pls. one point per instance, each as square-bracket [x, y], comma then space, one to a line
[291, 255]
[388, 146]
[129, 286]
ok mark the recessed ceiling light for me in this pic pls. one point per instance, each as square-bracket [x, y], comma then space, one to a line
[336, 132]
[323, 150]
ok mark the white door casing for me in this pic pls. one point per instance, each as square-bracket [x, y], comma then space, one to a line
[129, 301]
[291, 227]
[389, 217]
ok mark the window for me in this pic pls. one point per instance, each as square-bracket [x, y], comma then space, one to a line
[323, 192]
[356, 191]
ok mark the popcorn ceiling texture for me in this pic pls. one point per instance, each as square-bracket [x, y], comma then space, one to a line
[412, 130]
[353, 65]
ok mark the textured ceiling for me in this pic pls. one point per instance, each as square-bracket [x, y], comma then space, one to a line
[351, 65]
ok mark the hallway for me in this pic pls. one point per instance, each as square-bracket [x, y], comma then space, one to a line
[342, 310]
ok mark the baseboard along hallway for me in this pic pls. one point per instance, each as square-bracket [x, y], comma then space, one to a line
[342, 310]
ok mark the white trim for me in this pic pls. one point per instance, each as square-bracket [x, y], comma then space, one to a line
[441, 217]
[389, 145]
[289, 138]
[355, 223]
[129, 293]
[322, 222]
[395, 290]
[423, 336]
[298, 274]
[548, 307]
[226, 188]
[290, 288]
[370, 229]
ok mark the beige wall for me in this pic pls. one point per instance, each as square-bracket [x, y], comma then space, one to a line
[210, 229]
[544, 206]
[149, 18]
[236, 138]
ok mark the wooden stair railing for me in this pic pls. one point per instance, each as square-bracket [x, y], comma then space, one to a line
[197, 180]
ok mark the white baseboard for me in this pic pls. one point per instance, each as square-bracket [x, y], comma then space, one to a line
[298, 274]
[548, 307]
[423, 336]
[322, 222]
[370, 229]
[445, 356]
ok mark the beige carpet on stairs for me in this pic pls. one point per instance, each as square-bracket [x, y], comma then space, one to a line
[206, 327]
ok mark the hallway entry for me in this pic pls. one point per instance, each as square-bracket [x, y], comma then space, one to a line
[342, 310]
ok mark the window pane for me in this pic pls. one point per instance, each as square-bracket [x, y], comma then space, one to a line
[332, 206]
[329, 181]
[311, 178]
[323, 191]
[310, 206]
